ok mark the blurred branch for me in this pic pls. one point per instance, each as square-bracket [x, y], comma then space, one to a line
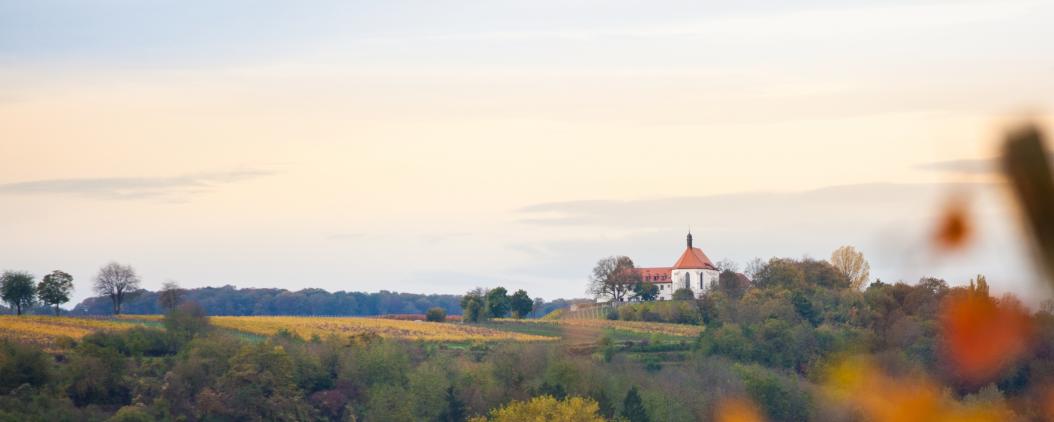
[1026, 165]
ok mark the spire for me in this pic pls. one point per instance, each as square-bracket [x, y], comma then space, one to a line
[689, 238]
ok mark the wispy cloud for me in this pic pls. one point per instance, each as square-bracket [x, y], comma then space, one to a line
[965, 166]
[127, 188]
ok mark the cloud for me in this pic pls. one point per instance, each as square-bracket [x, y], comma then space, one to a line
[965, 166]
[129, 188]
[827, 206]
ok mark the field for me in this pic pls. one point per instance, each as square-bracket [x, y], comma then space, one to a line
[306, 327]
[674, 330]
[54, 333]
[51, 332]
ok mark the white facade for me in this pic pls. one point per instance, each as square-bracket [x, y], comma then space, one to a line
[698, 280]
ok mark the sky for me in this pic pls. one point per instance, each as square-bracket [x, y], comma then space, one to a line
[433, 147]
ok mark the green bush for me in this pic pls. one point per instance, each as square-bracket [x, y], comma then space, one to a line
[22, 364]
[435, 315]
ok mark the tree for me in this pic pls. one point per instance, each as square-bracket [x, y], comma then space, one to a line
[55, 289]
[732, 284]
[645, 291]
[497, 302]
[727, 265]
[852, 265]
[473, 306]
[435, 314]
[116, 281]
[538, 304]
[455, 408]
[521, 304]
[753, 267]
[683, 294]
[17, 289]
[546, 408]
[633, 407]
[186, 320]
[613, 277]
[170, 296]
[780, 272]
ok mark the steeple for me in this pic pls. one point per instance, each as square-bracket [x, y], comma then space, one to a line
[689, 239]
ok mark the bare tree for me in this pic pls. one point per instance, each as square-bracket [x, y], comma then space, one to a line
[727, 265]
[613, 277]
[116, 281]
[851, 263]
[170, 296]
[754, 267]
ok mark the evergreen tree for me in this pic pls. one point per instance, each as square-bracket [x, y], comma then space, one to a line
[633, 407]
[455, 408]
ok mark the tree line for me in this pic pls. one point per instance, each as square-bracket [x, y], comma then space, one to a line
[479, 304]
[21, 292]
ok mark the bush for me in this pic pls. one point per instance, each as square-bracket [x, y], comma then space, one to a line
[22, 364]
[435, 315]
[131, 414]
[187, 320]
[781, 398]
[683, 294]
[138, 341]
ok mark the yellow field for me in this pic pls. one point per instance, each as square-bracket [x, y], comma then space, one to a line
[635, 326]
[47, 331]
[388, 328]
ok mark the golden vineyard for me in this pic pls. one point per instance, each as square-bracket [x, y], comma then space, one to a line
[50, 332]
[322, 327]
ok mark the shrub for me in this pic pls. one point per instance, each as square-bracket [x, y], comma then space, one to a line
[435, 315]
[22, 364]
[187, 320]
[131, 414]
[683, 294]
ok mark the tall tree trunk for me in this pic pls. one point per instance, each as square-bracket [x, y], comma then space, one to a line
[56, 309]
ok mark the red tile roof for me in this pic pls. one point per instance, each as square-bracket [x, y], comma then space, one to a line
[655, 274]
[694, 258]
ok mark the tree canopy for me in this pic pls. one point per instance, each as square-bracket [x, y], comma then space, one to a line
[851, 264]
[521, 304]
[117, 282]
[18, 290]
[613, 278]
[55, 289]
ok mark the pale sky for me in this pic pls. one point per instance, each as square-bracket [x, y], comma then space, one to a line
[437, 146]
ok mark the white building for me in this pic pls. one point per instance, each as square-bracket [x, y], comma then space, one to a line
[693, 270]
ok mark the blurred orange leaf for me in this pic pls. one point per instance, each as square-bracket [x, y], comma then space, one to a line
[982, 336]
[738, 410]
[882, 398]
[955, 228]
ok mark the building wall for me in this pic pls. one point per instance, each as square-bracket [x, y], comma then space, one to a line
[698, 280]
